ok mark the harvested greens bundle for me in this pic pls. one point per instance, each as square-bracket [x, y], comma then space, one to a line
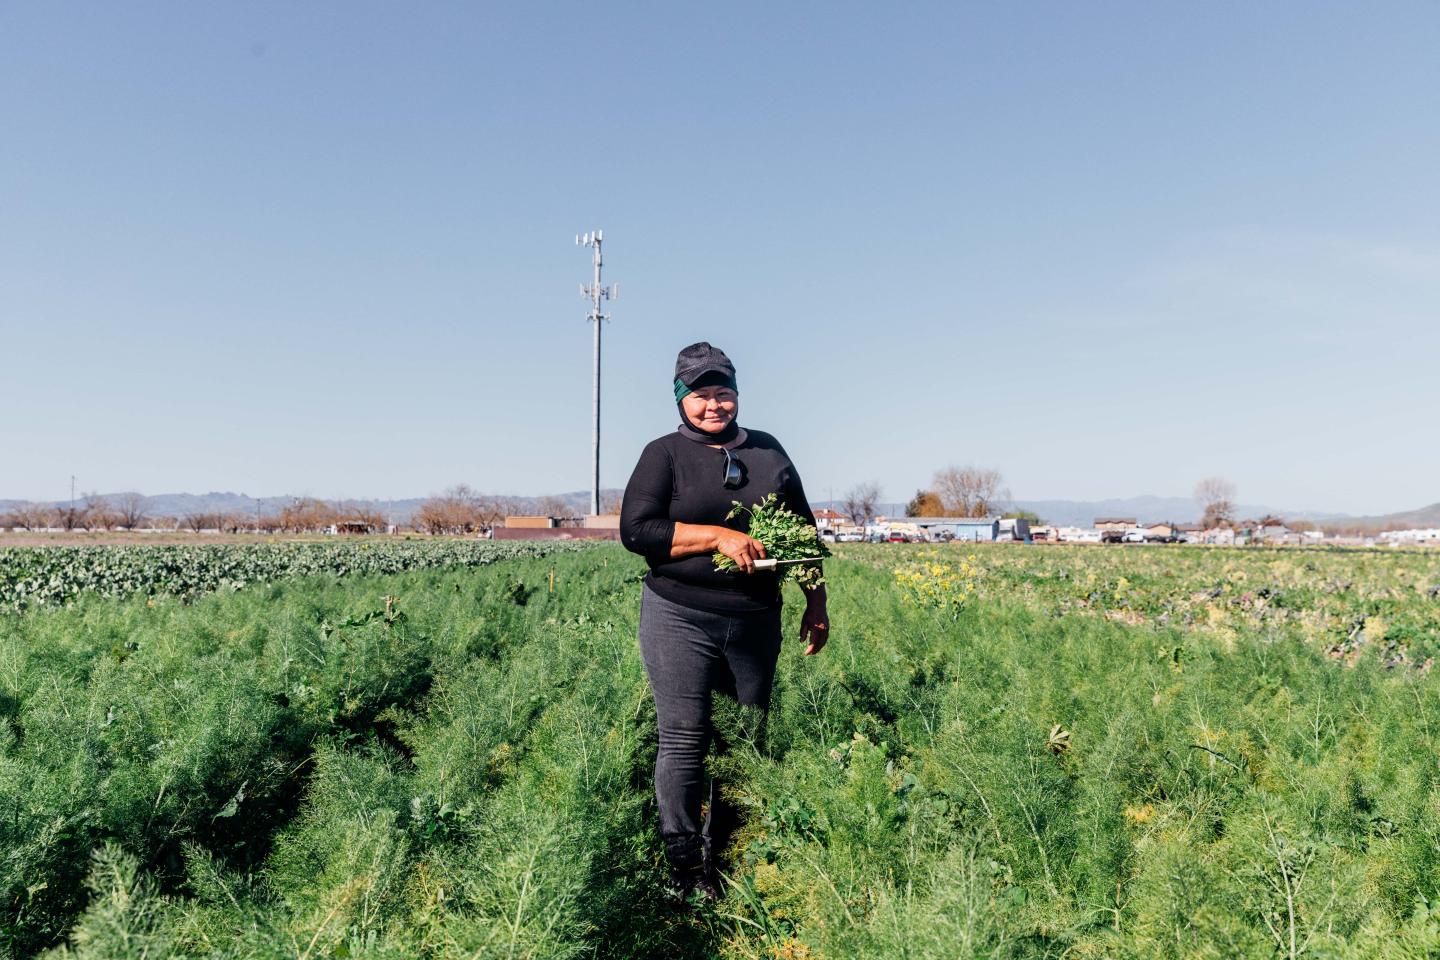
[786, 536]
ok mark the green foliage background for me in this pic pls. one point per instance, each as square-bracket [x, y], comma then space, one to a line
[298, 769]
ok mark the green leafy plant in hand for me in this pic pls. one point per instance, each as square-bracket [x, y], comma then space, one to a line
[786, 536]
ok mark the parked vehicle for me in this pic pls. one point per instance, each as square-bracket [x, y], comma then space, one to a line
[1133, 536]
[1014, 530]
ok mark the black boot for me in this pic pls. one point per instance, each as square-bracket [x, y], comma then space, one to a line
[691, 878]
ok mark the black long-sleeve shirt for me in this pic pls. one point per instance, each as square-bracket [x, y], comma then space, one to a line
[680, 480]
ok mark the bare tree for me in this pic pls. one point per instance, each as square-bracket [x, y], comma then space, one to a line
[305, 514]
[129, 509]
[374, 517]
[195, 522]
[365, 513]
[229, 522]
[860, 503]
[554, 507]
[72, 515]
[610, 503]
[458, 510]
[1217, 496]
[494, 510]
[433, 517]
[970, 491]
[30, 516]
[98, 514]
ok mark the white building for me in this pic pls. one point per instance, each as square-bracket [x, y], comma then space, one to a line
[1428, 537]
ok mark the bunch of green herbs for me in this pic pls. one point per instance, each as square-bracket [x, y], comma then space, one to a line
[786, 536]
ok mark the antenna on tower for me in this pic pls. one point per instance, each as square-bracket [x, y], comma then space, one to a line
[595, 292]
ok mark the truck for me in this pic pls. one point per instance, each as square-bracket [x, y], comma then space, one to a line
[1013, 530]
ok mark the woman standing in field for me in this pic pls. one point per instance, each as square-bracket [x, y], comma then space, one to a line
[702, 630]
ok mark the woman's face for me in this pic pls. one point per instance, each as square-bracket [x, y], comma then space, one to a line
[711, 408]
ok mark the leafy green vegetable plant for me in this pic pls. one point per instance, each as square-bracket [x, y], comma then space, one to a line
[46, 576]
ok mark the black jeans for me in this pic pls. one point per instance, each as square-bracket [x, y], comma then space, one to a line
[688, 654]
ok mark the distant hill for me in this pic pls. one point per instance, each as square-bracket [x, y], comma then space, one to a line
[1425, 517]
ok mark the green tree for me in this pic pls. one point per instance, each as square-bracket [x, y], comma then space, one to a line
[925, 503]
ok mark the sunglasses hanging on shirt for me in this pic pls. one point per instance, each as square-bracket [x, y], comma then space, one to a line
[734, 474]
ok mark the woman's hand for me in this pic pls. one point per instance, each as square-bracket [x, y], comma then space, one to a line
[742, 548]
[815, 621]
[690, 539]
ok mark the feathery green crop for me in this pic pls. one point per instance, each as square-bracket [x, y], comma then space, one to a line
[1101, 753]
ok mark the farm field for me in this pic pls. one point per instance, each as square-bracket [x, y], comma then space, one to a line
[1003, 752]
[36, 578]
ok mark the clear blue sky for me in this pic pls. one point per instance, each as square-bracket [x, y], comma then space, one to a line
[1108, 248]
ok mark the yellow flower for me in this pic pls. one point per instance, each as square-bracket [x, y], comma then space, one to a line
[1139, 815]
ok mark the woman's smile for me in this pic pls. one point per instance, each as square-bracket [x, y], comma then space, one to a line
[711, 408]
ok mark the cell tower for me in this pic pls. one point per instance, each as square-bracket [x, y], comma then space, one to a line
[595, 292]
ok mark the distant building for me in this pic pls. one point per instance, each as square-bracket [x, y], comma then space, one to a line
[1118, 524]
[359, 527]
[827, 519]
[530, 522]
[1159, 530]
[1420, 538]
[1272, 533]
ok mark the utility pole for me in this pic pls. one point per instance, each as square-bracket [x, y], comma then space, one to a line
[595, 293]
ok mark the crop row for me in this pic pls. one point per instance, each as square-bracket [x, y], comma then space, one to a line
[1344, 602]
[32, 577]
[283, 770]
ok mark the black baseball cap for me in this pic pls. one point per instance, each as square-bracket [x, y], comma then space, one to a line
[701, 365]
